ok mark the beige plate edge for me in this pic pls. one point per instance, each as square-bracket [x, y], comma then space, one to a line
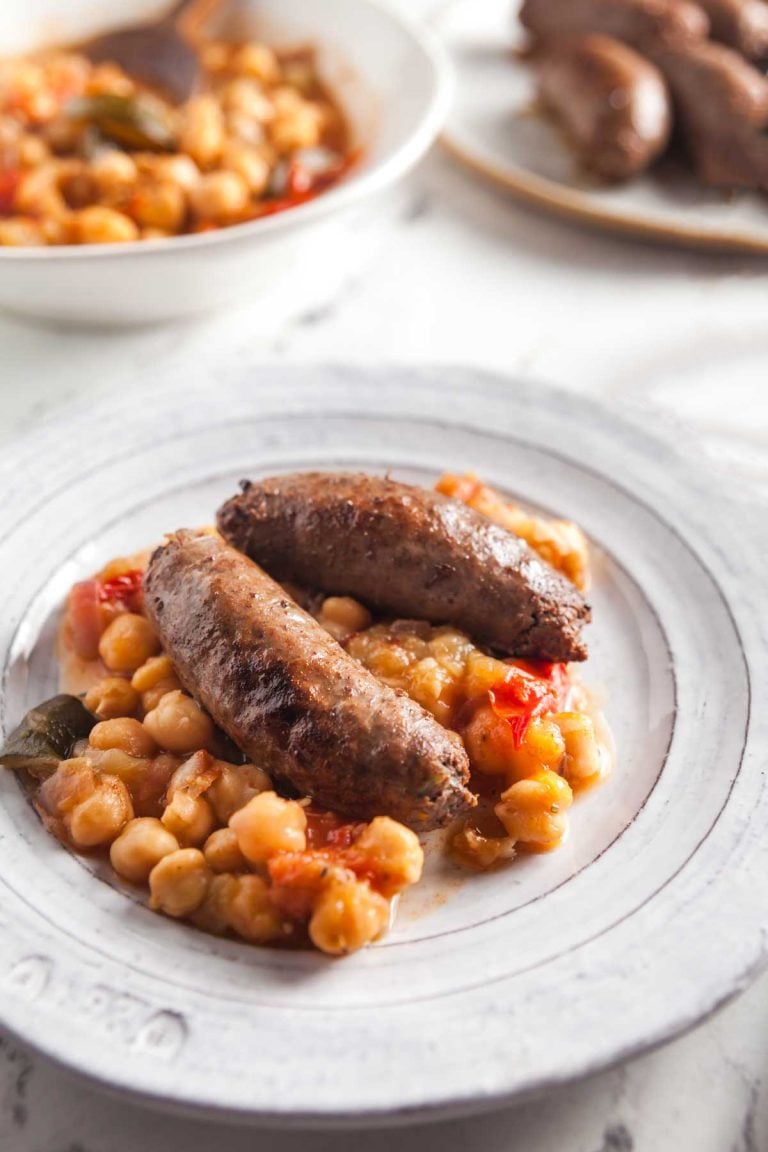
[557, 200]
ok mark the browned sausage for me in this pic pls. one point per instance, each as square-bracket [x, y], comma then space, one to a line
[638, 22]
[741, 23]
[408, 552]
[291, 698]
[613, 103]
[721, 102]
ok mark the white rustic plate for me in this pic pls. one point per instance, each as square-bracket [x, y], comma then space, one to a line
[493, 130]
[651, 915]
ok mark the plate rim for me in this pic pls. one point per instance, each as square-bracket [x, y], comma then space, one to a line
[484, 381]
[572, 204]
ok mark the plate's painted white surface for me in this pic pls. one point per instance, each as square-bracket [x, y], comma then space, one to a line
[652, 913]
[493, 128]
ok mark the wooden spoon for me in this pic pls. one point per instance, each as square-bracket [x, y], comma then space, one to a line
[156, 53]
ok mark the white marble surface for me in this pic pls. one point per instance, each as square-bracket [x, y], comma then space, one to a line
[446, 270]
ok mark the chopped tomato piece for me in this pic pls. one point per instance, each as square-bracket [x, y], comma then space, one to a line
[84, 614]
[302, 185]
[121, 589]
[528, 690]
[9, 182]
[327, 830]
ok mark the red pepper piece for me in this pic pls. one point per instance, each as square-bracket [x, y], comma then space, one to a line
[529, 689]
[9, 182]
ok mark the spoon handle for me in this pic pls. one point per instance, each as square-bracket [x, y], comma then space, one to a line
[181, 7]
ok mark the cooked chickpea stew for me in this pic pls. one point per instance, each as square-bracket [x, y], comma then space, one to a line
[130, 765]
[88, 155]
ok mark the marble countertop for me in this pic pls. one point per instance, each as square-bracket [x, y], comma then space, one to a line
[447, 270]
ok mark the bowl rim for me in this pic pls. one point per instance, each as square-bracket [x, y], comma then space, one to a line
[360, 184]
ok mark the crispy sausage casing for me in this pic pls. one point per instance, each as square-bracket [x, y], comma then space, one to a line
[741, 23]
[408, 552]
[291, 697]
[612, 103]
[637, 22]
[721, 101]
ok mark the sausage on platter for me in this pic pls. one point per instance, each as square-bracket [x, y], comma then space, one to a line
[612, 103]
[637, 22]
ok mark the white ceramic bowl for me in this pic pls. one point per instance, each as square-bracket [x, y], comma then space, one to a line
[394, 83]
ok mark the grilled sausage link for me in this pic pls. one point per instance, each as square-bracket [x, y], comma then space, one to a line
[613, 104]
[408, 552]
[721, 101]
[291, 697]
[637, 22]
[743, 24]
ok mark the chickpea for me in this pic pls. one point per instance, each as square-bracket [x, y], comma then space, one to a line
[251, 913]
[189, 818]
[154, 679]
[159, 204]
[222, 851]
[245, 97]
[342, 616]
[33, 151]
[19, 232]
[152, 697]
[533, 810]
[202, 130]
[63, 134]
[235, 785]
[215, 56]
[256, 60]
[584, 759]
[244, 129]
[220, 197]
[127, 642]
[141, 844]
[213, 913]
[348, 915]
[179, 170]
[249, 164]
[38, 192]
[479, 851]
[26, 77]
[73, 782]
[100, 818]
[99, 225]
[542, 746]
[489, 742]
[483, 673]
[57, 230]
[132, 770]
[297, 123]
[432, 685]
[68, 71]
[179, 725]
[393, 854]
[110, 80]
[124, 733]
[41, 106]
[114, 172]
[268, 824]
[452, 650]
[112, 697]
[149, 787]
[179, 882]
